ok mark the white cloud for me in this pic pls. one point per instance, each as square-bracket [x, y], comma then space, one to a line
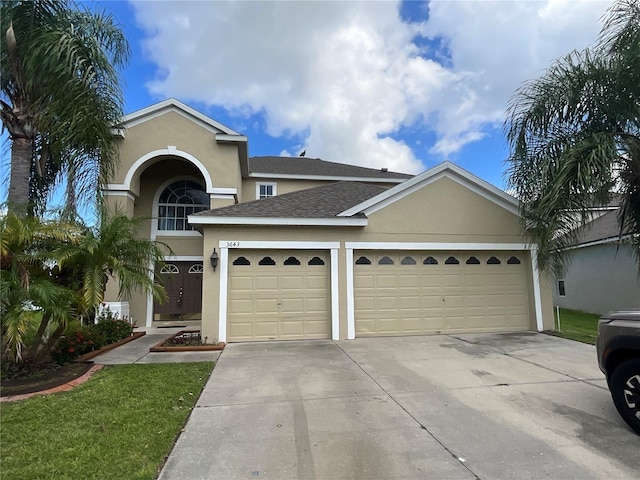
[347, 76]
[494, 47]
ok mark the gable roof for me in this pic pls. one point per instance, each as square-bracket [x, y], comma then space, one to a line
[344, 203]
[173, 105]
[313, 206]
[221, 133]
[442, 170]
[315, 168]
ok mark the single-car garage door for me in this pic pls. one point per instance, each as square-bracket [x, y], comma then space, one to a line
[412, 293]
[278, 295]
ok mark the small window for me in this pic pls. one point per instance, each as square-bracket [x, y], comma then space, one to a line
[363, 261]
[267, 261]
[561, 290]
[473, 261]
[408, 261]
[316, 261]
[169, 268]
[292, 261]
[385, 261]
[493, 261]
[241, 261]
[265, 190]
[513, 261]
[430, 261]
[451, 261]
[197, 268]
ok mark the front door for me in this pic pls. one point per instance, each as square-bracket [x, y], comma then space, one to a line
[183, 283]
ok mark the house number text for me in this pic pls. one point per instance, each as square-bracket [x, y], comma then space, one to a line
[233, 244]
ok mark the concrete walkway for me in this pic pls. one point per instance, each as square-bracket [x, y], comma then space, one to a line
[486, 406]
[137, 351]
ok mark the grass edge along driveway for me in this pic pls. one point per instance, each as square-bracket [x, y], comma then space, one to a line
[122, 423]
[576, 325]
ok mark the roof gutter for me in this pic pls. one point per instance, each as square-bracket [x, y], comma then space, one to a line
[271, 221]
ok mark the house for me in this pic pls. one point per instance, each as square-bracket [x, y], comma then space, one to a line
[602, 275]
[269, 248]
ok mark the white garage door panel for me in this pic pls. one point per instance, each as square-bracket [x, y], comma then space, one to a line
[270, 302]
[396, 296]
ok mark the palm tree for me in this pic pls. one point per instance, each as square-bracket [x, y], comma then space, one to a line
[60, 98]
[111, 251]
[574, 137]
[31, 298]
[55, 271]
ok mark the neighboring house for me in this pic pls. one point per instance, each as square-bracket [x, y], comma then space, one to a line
[305, 248]
[603, 273]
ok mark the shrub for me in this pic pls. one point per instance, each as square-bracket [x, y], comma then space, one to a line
[83, 340]
[113, 330]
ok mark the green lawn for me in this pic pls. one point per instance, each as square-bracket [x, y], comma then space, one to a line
[120, 424]
[579, 326]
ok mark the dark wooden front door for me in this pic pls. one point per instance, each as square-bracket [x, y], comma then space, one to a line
[183, 282]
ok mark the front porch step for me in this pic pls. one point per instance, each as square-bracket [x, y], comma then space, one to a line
[187, 324]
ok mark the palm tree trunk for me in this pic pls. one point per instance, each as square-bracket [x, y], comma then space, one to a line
[18, 197]
[32, 351]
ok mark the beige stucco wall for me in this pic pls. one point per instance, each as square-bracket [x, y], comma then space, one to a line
[176, 130]
[188, 137]
[546, 294]
[443, 212]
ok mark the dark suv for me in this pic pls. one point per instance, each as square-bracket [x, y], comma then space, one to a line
[618, 348]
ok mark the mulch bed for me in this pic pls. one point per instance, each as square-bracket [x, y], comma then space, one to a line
[185, 341]
[51, 375]
[48, 376]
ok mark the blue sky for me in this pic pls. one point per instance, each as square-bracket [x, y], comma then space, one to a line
[402, 85]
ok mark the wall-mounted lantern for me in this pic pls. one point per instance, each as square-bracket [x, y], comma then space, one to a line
[214, 259]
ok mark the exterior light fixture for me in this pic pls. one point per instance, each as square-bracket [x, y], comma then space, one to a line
[214, 259]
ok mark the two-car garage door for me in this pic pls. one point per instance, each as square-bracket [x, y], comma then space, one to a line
[413, 293]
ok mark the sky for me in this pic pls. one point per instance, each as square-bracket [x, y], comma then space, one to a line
[401, 85]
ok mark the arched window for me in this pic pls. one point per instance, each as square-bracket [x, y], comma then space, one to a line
[292, 261]
[385, 261]
[316, 261]
[493, 261]
[363, 261]
[169, 268]
[267, 261]
[197, 268]
[241, 261]
[408, 261]
[513, 261]
[451, 261]
[473, 261]
[430, 261]
[178, 200]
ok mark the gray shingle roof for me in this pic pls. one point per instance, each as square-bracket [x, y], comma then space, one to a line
[316, 166]
[603, 227]
[325, 201]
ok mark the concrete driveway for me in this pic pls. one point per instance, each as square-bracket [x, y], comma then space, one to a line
[487, 406]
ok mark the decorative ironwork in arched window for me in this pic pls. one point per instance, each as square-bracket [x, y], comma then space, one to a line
[169, 268]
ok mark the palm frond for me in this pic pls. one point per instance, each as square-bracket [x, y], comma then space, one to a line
[574, 138]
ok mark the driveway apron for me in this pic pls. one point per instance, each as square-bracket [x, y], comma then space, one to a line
[488, 406]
